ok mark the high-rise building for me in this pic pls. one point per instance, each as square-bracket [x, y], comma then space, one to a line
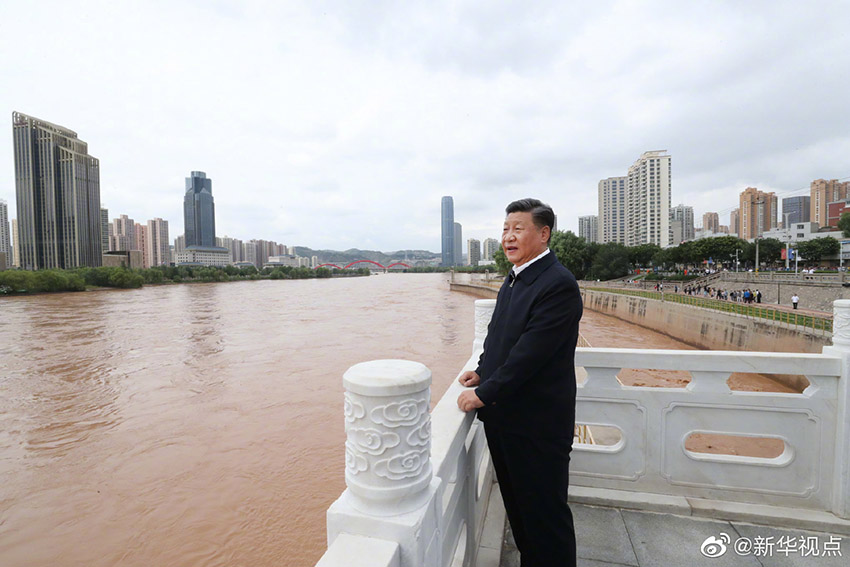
[491, 246]
[824, 192]
[447, 231]
[140, 235]
[685, 215]
[735, 222]
[199, 211]
[648, 194]
[16, 250]
[473, 248]
[235, 247]
[611, 221]
[104, 229]
[159, 252]
[711, 222]
[5, 234]
[588, 228]
[757, 213]
[458, 245]
[57, 186]
[123, 234]
[798, 210]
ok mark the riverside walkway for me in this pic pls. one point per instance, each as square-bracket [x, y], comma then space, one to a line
[420, 487]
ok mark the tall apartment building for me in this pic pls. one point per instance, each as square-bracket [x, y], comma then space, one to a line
[735, 222]
[711, 222]
[141, 242]
[159, 252]
[683, 216]
[122, 237]
[235, 247]
[473, 248]
[588, 228]
[757, 213]
[648, 197]
[199, 211]
[104, 229]
[16, 250]
[824, 192]
[447, 231]
[491, 246]
[5, 233]
[798, 210]
[611, 221]
[57, 185]
[457, 254]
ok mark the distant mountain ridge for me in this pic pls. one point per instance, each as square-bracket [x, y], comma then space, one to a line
[352, 254]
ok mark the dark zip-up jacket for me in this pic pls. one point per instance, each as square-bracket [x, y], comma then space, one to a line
[527, 369]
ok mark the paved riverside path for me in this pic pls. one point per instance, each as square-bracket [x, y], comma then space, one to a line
[617, 537]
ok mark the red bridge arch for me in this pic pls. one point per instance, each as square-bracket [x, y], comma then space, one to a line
[398, 264]
[328, 265]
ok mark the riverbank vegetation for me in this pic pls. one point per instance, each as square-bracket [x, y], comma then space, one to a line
[592, 261]
[80, 279]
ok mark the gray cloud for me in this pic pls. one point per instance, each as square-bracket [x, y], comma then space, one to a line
[341, 124]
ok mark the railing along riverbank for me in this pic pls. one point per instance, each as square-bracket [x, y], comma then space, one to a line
[815, 323]
[418, 485]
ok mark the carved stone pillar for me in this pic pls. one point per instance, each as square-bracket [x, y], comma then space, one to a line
[483, 313]
[388, 436]
[841, 347]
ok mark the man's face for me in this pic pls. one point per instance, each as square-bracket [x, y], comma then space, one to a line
[522, 241]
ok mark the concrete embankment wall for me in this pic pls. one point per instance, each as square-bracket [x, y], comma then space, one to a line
[704, 328]
[476, 290]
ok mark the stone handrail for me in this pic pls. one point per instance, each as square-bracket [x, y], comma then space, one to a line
[653, 425]
[418, 484]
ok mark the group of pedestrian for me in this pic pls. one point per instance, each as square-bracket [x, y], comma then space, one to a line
[738, 296]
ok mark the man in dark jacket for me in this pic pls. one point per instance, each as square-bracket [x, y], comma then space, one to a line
[525, 388]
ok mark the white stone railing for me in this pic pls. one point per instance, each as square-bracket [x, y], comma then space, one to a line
[418, 484]
[653, 425]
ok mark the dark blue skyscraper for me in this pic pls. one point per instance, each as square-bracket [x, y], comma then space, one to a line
[199, 211]
[448, 232]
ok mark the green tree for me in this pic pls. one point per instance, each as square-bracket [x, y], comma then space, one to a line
[641, 255]
[812, 251]
[611, 261]
[502, 264]
[124, 278]
[570, 250]
[844, 224]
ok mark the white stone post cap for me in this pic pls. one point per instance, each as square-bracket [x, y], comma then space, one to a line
[841, 304]
[391, 377]
[492, 302]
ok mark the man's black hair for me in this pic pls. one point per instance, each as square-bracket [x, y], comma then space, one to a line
[541, 213]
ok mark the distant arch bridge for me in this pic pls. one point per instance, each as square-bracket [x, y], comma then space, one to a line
[350, 264]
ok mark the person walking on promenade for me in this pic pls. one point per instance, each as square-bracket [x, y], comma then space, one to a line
[795, 300]
[758, 296]
[525, 387]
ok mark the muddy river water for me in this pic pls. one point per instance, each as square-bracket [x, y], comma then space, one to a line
[191, 425]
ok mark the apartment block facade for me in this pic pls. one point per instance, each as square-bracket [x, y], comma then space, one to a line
[648, 197]
[588, 228]
[57, 185]
[611, 220]
[757, 212]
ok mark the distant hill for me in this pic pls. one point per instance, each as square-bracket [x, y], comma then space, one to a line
[384, 258]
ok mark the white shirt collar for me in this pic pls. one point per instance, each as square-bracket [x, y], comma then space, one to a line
[518, 269]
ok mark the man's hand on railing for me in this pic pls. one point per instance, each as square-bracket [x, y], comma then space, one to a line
[469, 379]
[468, 399]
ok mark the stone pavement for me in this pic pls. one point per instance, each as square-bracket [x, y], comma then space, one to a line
[615, 537]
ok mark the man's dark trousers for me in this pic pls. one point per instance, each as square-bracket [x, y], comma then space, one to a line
[533, 477]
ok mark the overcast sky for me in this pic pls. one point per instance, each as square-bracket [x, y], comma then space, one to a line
[342, 124]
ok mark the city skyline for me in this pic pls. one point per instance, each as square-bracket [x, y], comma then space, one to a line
[380, 110]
